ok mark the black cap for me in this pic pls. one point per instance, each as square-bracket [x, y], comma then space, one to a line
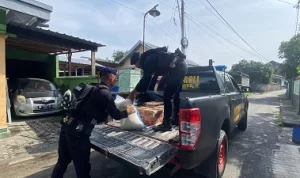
[108, 70]
[134, 58]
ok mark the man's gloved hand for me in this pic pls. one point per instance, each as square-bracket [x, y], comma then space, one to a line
[130, 109]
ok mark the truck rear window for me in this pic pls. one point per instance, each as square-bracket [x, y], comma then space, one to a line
[200, 82]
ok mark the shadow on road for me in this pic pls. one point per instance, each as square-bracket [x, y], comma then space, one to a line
[106, 168]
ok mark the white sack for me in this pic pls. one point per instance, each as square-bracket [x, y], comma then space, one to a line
[133, 122]
[121, 105]
[119, 99]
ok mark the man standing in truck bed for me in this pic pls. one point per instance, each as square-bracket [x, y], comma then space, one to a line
[159, 62]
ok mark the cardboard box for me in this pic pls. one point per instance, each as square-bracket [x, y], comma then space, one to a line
[151, 115]
[153, 104]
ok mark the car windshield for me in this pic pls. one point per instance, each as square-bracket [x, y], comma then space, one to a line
[36, 85]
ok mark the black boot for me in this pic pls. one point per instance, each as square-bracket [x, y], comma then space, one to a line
[164, 127]
[175, 120]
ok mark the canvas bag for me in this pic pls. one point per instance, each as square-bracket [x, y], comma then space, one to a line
[133, 121]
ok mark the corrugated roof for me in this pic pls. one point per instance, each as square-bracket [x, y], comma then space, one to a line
[51, 37]
[134, 48]
[78, 61]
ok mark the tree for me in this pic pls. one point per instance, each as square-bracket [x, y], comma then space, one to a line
[118, 55]
[290, 51]
[257, 71]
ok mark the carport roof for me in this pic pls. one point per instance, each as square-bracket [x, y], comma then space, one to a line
[46, 41]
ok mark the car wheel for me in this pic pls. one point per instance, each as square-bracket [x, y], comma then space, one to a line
[242, 125]
[222, 153]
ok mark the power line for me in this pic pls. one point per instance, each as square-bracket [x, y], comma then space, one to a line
[235, 31]
[147, 18]
[217, 39]
[205, 42]
[218, 34]
[211, 29]
[172, 18]
[209, 9]
[127, 6]
[212, 12]
[142, 14]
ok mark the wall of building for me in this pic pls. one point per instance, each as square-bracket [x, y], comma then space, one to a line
[3, 117]
[49, 60]
[265, 87]
[126, 64]
[128, 79]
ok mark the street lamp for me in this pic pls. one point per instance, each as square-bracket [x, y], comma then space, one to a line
[154, 13]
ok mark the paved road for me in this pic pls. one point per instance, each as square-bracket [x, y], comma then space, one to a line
[251, 153]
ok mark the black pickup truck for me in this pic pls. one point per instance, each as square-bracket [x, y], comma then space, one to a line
[211, 106]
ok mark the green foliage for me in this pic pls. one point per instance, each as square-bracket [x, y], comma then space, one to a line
[118, 55]
[290, 51]
[257, 71]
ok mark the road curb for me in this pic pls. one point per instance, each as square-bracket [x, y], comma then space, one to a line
[284, 119]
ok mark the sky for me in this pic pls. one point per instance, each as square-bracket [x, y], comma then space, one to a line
[264, 24]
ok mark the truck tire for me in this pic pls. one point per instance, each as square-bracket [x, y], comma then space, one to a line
[215, 165]
[242, 125]
[222, 153]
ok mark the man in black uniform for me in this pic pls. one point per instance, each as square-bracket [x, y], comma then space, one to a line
[159, 62]
[74, 143]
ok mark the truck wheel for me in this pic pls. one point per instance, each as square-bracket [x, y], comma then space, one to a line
[242, 125]
[222, 153]
[215, 165]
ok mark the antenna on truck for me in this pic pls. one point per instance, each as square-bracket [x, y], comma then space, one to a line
[211, 62]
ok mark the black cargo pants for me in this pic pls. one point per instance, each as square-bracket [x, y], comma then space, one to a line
[76, 148]
[173, 87]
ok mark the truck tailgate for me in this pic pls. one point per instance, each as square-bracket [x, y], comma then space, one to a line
[145, 154]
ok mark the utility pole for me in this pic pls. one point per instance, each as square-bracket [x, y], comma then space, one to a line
[184, 40]
[297, 20]
[182, 24]
[297, 6]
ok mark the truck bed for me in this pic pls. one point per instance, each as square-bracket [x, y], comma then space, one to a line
[170, 136]
[146, 150]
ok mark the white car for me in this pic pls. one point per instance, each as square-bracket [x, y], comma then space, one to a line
[34, 97]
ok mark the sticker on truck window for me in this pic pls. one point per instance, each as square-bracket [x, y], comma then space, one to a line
[191, 82]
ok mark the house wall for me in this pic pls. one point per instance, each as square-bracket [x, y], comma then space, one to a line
[264, 87]
[51, 60]
[3, 124]
[127, 60]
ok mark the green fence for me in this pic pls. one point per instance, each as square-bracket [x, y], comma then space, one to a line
[65, 83]
[128, 79]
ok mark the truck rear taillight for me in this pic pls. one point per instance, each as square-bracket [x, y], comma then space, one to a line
[189, 128]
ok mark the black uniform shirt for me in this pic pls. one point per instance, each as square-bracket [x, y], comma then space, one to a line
[101, 104]
[153, 63]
